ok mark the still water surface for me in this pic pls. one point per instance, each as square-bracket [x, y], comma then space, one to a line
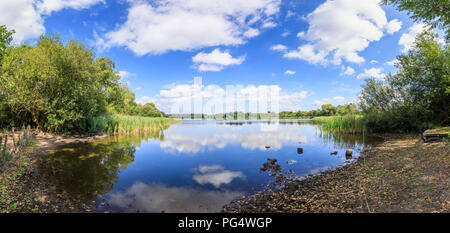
[194, 166]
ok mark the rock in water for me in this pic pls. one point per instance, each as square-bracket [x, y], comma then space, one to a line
[267, 147]
[299, 151]
[348, 153]
[334, 153]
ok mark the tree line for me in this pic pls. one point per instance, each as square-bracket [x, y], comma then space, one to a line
[417, 95]
[59, 87]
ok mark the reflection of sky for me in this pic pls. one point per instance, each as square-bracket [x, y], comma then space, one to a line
[216, 175]
[226, 164]
[159, 197]
[194, 140]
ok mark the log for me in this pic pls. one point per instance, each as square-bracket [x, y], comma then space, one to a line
[432, 137]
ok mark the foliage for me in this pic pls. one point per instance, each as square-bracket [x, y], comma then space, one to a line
[352, 124]
[61, 87]
[123, 124]
[434, 12]
[416, 97]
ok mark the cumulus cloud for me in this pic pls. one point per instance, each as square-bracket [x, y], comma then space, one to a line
[407, 39]
[215, 61]
[372, 73]
[183, 98]
[26, 17]
[340, 29]
[161, 26]
[347, 70]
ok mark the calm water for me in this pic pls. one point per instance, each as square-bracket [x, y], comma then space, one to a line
[194, 166]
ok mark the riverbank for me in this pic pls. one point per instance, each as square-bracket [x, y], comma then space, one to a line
[23, 190]
[403, 174]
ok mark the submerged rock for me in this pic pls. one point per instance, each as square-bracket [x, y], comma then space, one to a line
[334, 153]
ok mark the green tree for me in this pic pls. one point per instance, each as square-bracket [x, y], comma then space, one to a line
[434, 12]
[417, 95]
[328, 110]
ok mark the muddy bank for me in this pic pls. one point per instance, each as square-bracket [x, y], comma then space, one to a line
[403, 174]
[22, 189]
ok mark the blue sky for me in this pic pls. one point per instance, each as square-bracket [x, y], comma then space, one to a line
[315, 52]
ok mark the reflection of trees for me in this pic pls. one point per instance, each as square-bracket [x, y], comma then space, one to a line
[87, 170]
[347, 140]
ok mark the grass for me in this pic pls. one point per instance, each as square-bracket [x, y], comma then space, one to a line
[352, 124]
[122, 124]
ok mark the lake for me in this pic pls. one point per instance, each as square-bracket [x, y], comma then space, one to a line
[194, 165]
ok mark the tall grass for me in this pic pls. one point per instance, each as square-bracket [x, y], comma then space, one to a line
[125, 125]
[351, 124]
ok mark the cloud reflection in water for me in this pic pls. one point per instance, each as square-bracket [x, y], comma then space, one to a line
[159, 197]
[216, 175]
[198, 141]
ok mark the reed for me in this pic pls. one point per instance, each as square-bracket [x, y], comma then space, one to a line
[126, 125]
[351, 124]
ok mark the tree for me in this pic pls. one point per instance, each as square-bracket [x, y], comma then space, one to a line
[328, 110]
[5, 40]
[417, 96]
[434, 12]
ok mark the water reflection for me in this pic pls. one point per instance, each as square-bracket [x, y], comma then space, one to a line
[248, 138]
[87, 170]
[154, 172]
[216, 175]
[161, 198]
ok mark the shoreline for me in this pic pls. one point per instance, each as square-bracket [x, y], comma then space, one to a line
[402, 174]
[361, 186]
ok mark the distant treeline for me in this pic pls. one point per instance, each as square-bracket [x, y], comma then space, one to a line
[325, 110]
[60, 87]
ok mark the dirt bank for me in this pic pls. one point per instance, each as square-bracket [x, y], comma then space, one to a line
[403, 174]
[22, 189]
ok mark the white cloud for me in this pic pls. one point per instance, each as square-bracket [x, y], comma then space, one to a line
[393, 26]
[278, 47]
[348, 71]
[289, 72]
[372, 73]
[123, 74]
[215, 61]
[214, 99]
[340, 29]
[407, 39]
[145, 99]
[338, 98]
[373, 62]
[286, 33]
[393, 62]
[26, 17]
[161, 26]
[329, 101]
[49, 6]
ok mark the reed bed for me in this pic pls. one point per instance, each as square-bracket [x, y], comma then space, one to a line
[351, 124]
[126, 125]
